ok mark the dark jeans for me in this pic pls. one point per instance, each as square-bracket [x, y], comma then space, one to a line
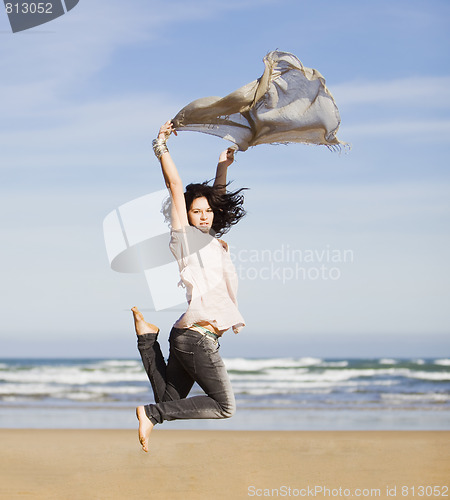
[193, 358]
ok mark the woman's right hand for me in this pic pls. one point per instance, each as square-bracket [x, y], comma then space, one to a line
[166, 130]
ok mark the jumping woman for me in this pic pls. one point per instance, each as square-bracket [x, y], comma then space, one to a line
[197, 217]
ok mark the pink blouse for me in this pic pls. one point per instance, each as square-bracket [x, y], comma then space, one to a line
[210, 279]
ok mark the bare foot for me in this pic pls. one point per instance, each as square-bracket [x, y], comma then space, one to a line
[141, 326]
[145, 427]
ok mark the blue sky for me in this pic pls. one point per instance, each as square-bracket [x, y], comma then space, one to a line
[81, 99]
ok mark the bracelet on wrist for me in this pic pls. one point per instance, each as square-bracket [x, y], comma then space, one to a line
[159, 147]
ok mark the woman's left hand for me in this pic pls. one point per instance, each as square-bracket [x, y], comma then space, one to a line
[227, 157]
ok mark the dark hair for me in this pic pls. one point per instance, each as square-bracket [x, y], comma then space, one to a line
[227, 206]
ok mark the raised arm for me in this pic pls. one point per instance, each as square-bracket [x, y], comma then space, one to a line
[226, 158]
[172, 178]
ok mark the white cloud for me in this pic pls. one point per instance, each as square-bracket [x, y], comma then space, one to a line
[48, 115]
[70, 49]
[110, 132]
[424, 130]
[420, 92]
[408, 108]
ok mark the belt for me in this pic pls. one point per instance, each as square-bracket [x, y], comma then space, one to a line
[205, 331]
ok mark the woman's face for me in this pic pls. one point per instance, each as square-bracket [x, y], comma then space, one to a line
[201, 215]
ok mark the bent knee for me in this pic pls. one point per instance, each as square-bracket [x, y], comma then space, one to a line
[228, 409]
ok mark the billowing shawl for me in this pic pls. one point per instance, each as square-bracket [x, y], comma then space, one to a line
[289, 103]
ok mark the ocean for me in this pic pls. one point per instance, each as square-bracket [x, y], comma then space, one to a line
[271, 394]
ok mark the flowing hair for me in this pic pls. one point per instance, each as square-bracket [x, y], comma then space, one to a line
[227, 206]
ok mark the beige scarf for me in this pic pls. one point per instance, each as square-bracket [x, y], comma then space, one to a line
[289, 103]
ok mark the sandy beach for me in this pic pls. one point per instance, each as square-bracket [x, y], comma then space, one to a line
[108, 464]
